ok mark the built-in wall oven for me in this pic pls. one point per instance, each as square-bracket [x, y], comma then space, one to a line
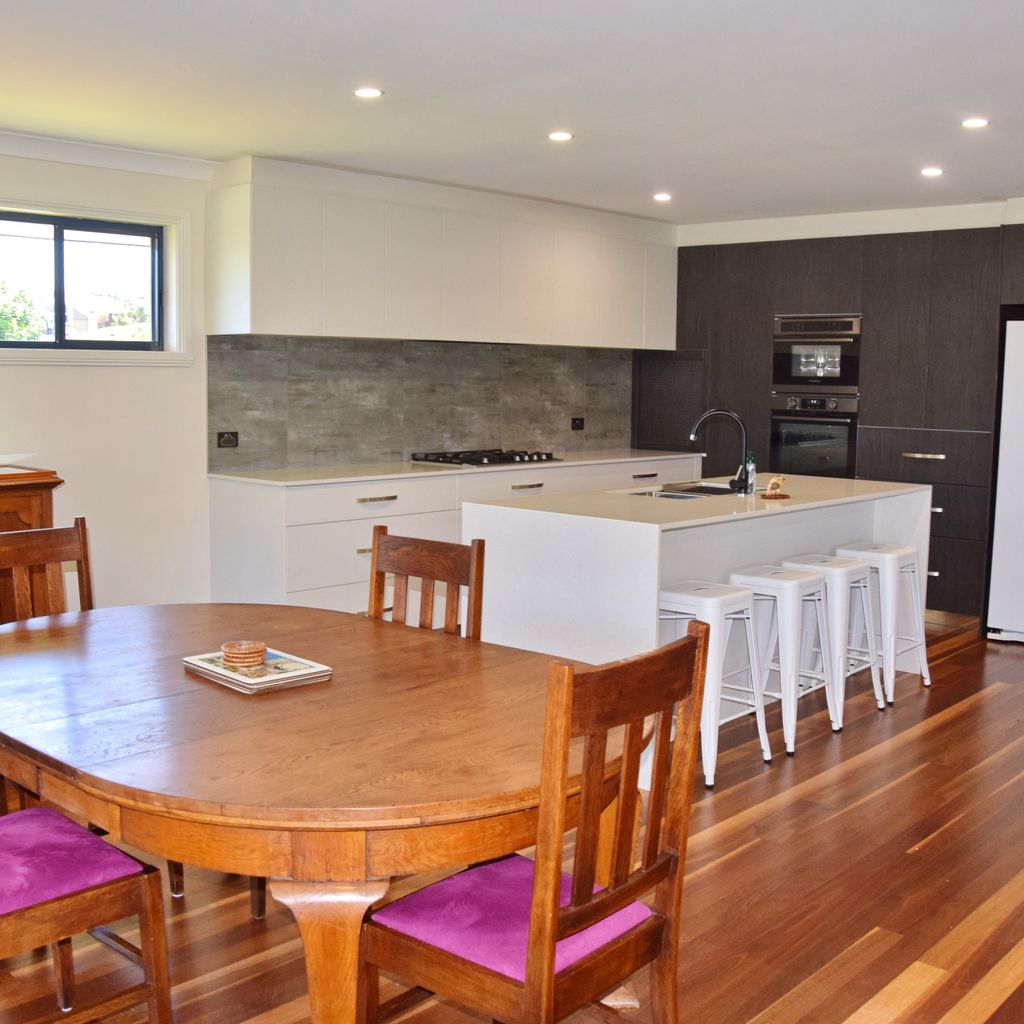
[815, 389]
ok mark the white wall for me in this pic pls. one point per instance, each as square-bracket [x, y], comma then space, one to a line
[129, 440]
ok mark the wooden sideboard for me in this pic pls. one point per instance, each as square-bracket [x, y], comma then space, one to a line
[26, 503]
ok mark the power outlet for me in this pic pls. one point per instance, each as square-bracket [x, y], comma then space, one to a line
[577, 423]
[227, 438]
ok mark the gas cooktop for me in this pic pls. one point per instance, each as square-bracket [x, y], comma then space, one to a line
[483, 457]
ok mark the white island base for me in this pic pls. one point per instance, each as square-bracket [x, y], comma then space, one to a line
[578, 575]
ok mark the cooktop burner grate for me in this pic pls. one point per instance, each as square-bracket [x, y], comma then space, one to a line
[483, 457]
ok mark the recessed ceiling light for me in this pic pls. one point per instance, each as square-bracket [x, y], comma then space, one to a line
[369, 92]
[560, 136]
[974, 122]
[662, 197]
[931, 172]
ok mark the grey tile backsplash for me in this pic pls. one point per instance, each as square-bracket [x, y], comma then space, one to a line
[319, 401]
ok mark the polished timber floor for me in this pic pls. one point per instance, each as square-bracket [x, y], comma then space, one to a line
[876, 876]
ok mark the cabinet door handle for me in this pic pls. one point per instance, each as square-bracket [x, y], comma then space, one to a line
[526, 487]
[364, 551]
[387, 497]
[937, 508]
[923, 455]
[645, 476]
[932, 572]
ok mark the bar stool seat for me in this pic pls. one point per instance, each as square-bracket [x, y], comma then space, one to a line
[789, 590]
[894, 565]
[720, 606]
[846, 578]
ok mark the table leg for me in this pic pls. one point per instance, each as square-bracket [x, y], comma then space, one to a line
[330, 915]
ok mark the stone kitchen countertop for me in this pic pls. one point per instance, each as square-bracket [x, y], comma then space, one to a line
[299, 475]
[633, 506]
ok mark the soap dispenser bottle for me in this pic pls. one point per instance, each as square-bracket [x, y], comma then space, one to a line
[751, 472]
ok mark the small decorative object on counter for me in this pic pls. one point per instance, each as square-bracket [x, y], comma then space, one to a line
[243, 653]
[774, 489]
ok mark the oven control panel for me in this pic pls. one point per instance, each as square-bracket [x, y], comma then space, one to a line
[782, 402]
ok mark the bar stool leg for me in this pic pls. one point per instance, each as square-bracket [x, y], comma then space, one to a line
[839, 625]
[918, 613]
[757, 684]
[711, 711]
[867, 611]
[789, 665]
[888, 606]
[832, 697]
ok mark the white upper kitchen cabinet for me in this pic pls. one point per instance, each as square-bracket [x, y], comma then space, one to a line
[302, 250]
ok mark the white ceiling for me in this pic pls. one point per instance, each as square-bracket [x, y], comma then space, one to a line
[739, 108]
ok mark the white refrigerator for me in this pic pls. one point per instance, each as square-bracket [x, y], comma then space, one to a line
[1005, 620]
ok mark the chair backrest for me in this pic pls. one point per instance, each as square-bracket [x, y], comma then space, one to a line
[589, 704]
[31, 562]
[432, 562]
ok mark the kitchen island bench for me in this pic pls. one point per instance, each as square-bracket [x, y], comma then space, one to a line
[578, 575]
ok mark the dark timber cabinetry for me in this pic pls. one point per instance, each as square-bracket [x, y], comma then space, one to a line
[929, 354]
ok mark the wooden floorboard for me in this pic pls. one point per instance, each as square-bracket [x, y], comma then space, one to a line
[876, 876]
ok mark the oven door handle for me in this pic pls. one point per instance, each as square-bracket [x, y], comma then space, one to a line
[845, 420]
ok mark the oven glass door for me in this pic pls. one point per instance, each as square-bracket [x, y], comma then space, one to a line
[827, 362]
[813, 444]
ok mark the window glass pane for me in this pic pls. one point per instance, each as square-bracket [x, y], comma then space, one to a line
[26, 281]
[108, 286]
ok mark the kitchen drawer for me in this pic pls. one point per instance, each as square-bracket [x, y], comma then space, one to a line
[619, 476]
[329, 554]
[329, 503]
[924, 456]
[520, 483]
[960, 565]
[964, 511]
[558, 478]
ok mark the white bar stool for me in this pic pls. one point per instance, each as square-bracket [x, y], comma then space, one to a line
[892, 565]
[719, 606]
[789, 590]
[845, 578]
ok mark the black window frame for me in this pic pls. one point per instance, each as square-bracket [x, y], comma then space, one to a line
[60, 224]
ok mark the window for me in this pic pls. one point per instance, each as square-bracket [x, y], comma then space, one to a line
[70, 283]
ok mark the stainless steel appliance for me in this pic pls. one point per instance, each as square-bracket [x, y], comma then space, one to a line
[483, 457]
[815, 435]
[815, 388]
[816, 354]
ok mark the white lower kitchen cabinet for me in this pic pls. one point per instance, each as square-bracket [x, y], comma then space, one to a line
[303, 536]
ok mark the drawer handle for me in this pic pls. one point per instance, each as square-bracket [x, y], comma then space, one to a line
[932, 572]
[645, 476]
[937, 508]
[387, 497]
[364, 551]
[526, 487]
[922, 455]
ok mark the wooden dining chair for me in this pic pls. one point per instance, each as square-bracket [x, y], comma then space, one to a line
[518, 940]
[31, 570]
[432, 562]
[32, 583]
[60, 880]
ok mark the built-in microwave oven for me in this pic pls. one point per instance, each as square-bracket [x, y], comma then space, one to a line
[816, 354]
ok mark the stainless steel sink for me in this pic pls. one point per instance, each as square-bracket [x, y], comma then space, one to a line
[697, 488]
[690, 489]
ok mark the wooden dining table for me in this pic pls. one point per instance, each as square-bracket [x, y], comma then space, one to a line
[421, 752]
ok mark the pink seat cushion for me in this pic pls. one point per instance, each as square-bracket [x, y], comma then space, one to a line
[483, 915]
[45, 855]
